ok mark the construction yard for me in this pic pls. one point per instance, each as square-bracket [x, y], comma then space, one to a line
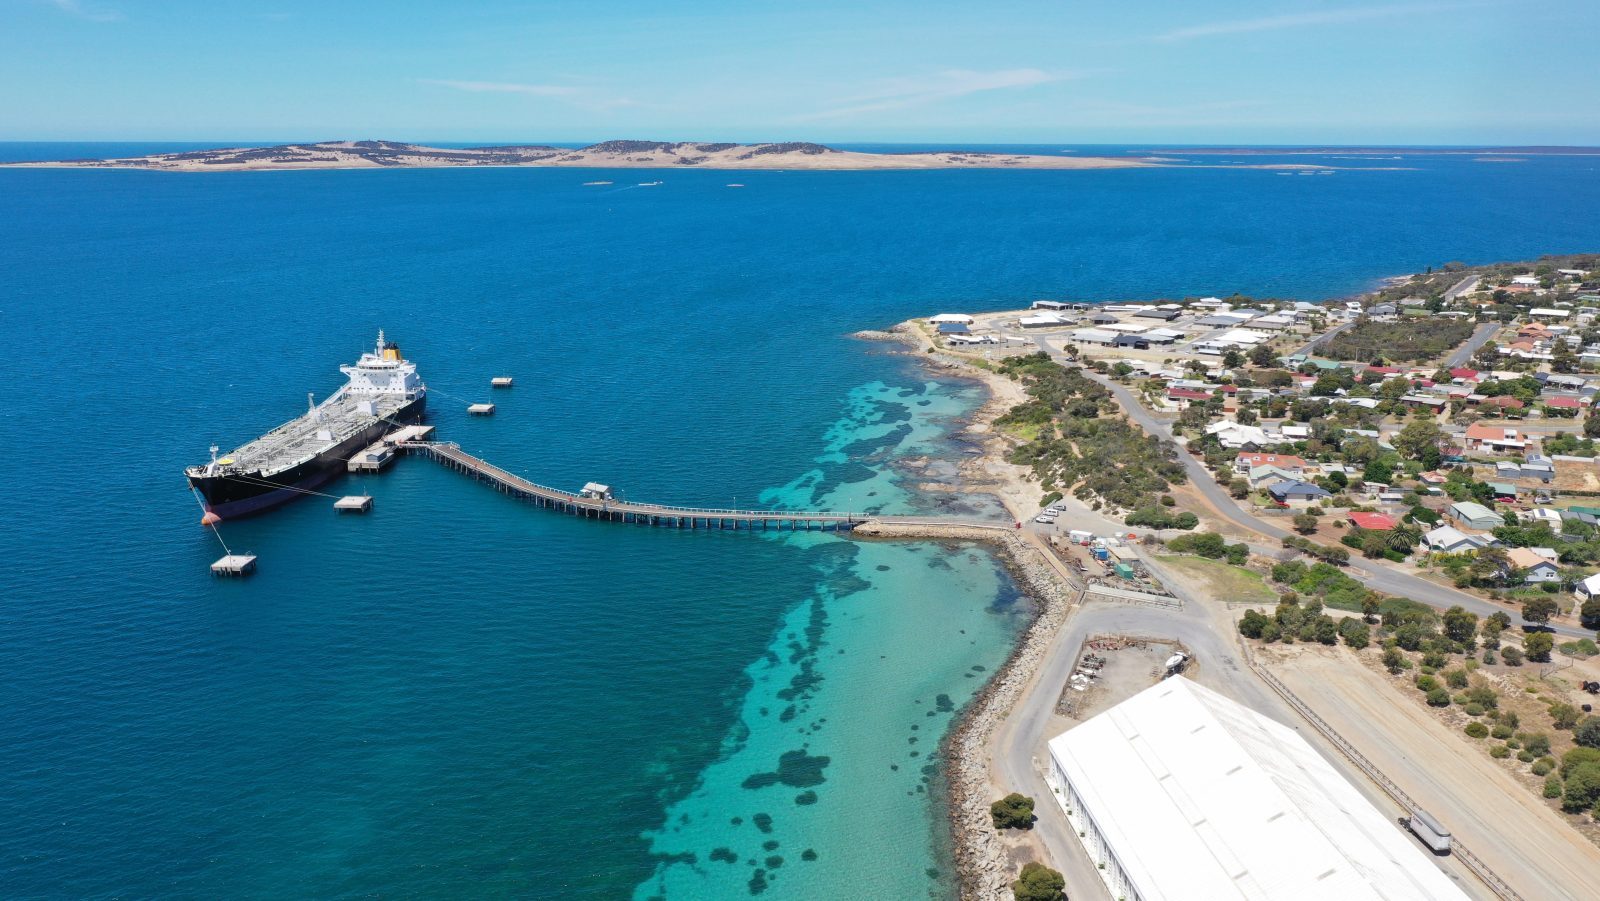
[1528, 844]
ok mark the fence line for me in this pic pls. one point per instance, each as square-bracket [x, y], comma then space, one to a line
[1472, 861]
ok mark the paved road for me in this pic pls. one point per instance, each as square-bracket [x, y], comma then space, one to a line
[1480, 337]
[1306, 347]
[1461, 287]
[1383, 578]
[1206, 629]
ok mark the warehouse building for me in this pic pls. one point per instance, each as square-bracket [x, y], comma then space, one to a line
[1181, 793]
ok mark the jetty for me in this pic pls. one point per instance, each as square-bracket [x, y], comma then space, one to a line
[600, 504]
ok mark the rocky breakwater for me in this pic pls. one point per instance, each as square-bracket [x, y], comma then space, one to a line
[984, 866]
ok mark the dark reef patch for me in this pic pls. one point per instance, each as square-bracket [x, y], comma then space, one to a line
[796, 769]
[805, 797]
[725, 855]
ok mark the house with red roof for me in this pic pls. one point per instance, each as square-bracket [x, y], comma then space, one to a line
[1466, 375]
[1482, 436]
[1563, 405]
[1504, 403]
[1183, 397]
[1372, 522]
[1245, 462]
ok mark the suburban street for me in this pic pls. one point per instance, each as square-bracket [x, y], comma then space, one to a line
[1480, 337]
[1380, 577]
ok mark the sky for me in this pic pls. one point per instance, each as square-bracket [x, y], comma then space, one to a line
[1519, 72]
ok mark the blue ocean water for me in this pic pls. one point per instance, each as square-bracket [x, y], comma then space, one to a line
[461, 694]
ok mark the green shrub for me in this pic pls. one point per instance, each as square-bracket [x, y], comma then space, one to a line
[1499, 752]
[1014, 811]
[1536, 742]
[1552, 787]
[1501, 732]
[1525, 756]
[1038, 882]
[1455, 677]
[1543, 767]
[1477, 730]
[1438, 698]
[1426, 682]
[1475, 710]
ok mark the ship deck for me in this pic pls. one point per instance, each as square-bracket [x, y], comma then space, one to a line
[296, 441]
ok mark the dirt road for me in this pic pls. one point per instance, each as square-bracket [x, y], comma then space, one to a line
[1525, 843]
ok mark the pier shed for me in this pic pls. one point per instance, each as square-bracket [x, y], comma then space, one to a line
[596, 490]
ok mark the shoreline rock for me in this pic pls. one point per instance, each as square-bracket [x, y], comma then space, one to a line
[982, 864]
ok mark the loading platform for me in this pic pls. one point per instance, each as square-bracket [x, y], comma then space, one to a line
[234, 565]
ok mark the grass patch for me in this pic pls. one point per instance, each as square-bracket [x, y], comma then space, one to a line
[1233, 584]
[1027, 431]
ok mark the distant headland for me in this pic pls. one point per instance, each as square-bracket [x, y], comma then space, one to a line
[605, 155]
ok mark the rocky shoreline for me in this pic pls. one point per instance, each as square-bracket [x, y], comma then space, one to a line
[982, 863]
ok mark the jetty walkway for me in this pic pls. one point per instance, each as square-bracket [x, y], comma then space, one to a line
[452, 456]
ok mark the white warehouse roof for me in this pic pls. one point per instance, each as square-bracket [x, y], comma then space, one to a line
[1201, 797]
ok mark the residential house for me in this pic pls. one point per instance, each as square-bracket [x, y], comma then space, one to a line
[1536, 568]
[1588, 588]
[1234, 436]
[1184, 398]
[1243, 463]
[1451, 540]
[1485, 437]
[1296, 494]
[1372, 522]
[1474, 516]
[1262, 476]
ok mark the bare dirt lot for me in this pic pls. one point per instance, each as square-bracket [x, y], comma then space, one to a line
[1529, 845]
[1123, 666]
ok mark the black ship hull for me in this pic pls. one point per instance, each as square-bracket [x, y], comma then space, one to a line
[234, 495]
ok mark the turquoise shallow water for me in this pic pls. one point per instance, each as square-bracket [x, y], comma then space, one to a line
[462, 695]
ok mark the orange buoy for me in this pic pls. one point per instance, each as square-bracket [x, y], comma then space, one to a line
[210, 519]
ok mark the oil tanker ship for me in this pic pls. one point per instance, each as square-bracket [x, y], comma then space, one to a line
[382, 393]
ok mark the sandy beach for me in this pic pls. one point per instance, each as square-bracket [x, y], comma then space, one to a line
[605, 155]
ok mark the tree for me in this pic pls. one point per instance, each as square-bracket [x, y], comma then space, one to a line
[1378, 471]
[1460, 626]
[1539, 609]
[1014, 811]
[1252, 624]
[1416, 437]
[1262, 355]
[1537, 646]
[1587, 732]
[1305, 523]
[1591, 425]
[1512, 656]
[1038, 882]
[1355, 633]
[1589, 613]
[1232, 359]
[1582, 788]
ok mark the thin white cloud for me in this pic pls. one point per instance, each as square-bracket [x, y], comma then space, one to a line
[901, 93]
[74, 8]
[1306, 19]
[504, 87]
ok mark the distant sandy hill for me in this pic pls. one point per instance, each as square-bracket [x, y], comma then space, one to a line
[606, 155]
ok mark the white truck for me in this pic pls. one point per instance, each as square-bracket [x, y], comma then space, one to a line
[1425, 827]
